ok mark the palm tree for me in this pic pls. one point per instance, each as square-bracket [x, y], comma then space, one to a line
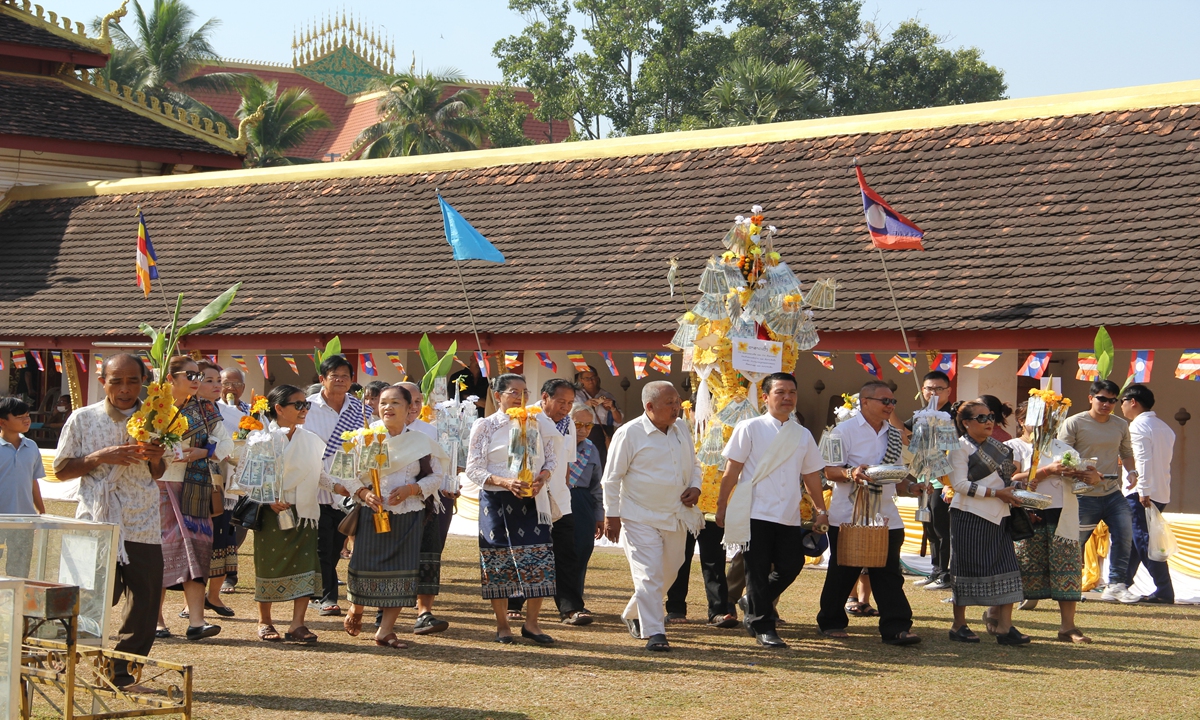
[752, 91]
[418, 117]
[163, 55]
[288, 119]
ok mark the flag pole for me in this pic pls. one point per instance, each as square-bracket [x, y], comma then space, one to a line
[899, 320]
[470, 314]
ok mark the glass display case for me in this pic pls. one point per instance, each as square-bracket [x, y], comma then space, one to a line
[68, 551]
[11, 623]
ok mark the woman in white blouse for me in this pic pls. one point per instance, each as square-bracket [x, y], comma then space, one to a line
[515, 552]
[384, 568]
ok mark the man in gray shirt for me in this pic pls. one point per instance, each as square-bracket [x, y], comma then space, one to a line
[1098, 433]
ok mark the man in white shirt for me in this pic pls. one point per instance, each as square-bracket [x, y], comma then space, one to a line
[651, 485]
[773, 459]
[868, 439]
[558, 396]
[231, 405]
[334, 410]
[1153, 446]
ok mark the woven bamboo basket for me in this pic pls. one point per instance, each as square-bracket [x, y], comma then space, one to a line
[860, 545]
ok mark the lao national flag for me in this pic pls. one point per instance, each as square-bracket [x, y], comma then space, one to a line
[1140, 365]
[612, 364]
[262, 363]
[1035, 365]
[37, 358]
[544, 359]
[889, 229]
[485, 367]
[869, 363]
[368, 363]
[947, 363]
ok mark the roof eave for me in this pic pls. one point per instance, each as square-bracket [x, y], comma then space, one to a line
[79, 58]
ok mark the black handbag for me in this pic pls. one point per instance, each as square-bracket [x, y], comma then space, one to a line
[247, 514]
[1020, 525]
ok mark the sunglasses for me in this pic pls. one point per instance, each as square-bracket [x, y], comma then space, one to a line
[584, 425]
[1104, 400]
[193, 376]
[981, 419]
[300, 405]
[890, 402]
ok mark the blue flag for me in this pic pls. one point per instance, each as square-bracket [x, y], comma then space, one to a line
[467, 242]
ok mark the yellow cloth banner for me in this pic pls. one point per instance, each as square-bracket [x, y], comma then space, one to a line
[1096, 548]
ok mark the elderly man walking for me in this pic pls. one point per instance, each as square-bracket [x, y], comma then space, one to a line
[651, 485]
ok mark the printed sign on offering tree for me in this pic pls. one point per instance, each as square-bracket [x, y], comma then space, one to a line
[757, 356]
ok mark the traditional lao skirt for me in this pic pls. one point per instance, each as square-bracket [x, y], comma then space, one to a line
[285, 561]
[433, 541]
[187, 542]
[1051, 566]
[383, 567]
[224, 553]
[516, 557]
[983, 561]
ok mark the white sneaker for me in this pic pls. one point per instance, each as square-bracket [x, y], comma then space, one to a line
[922, 580]
[1118, 592]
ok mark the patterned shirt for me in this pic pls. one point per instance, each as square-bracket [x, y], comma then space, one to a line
[96, 427]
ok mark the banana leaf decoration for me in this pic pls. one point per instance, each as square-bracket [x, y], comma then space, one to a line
[163, 343]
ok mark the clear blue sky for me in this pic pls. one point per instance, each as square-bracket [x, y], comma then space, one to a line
[1044, 47]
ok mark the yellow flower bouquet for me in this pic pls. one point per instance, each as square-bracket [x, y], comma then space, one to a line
[158, 420]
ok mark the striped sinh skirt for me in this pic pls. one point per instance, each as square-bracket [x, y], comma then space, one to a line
[516, 558]
[224, 552]
[187, 542]
[429, 574]
[383, 567]
[285, 561]
[982, 561]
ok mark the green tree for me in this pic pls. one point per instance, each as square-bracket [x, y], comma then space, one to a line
[164, 54]
[419, 117]
[503, 118]
[289, 118]
[753, 91]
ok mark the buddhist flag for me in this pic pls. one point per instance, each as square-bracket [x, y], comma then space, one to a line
[903, 362]
[512, 360]
[485, 367]
[983, 359]
[467, 242]
[577, 360]
[1188, 368]
[869, 363]
[291, 361]
[612, 364]
[147, 261]
[241, 361]
[825, 358]
[37, 358]
[18, 358]
[262, 363]
[639, 365]
[1140, 365]
[82, 362]
[99, 363]
[394, 357]
[947, 363]
[662, 363]
[1035, 365]
[56, 356]
[1088, 368]
[544, 359]
[367, 363]
[889, 229]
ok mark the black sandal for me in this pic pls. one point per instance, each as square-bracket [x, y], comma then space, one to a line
[903, 637]
[658, 643]
[860, 609]
[1013, 637]
[964, 634]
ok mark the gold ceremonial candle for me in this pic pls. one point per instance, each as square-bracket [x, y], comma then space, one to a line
[382, 523]
[525, 475]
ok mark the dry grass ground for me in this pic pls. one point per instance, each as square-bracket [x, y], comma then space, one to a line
[1145, 664]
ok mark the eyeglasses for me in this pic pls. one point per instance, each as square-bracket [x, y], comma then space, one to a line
[982, 419]
[890, 402]
[938, 389]
[516, 393]
[1104, 400]
[581, 426]
[338, 378]
[190, 375]
[300, 405]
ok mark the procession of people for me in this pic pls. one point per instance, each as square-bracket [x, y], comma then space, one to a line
[547, 492]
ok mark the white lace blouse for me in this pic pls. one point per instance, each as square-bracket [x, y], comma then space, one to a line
[488, 451]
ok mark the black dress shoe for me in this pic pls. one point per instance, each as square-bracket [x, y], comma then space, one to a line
[743, 604]
[162, 633]
[222, 610]
[1154, 599]
[204, 631]
[539, 638]
[505, 639]
[770, 640]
